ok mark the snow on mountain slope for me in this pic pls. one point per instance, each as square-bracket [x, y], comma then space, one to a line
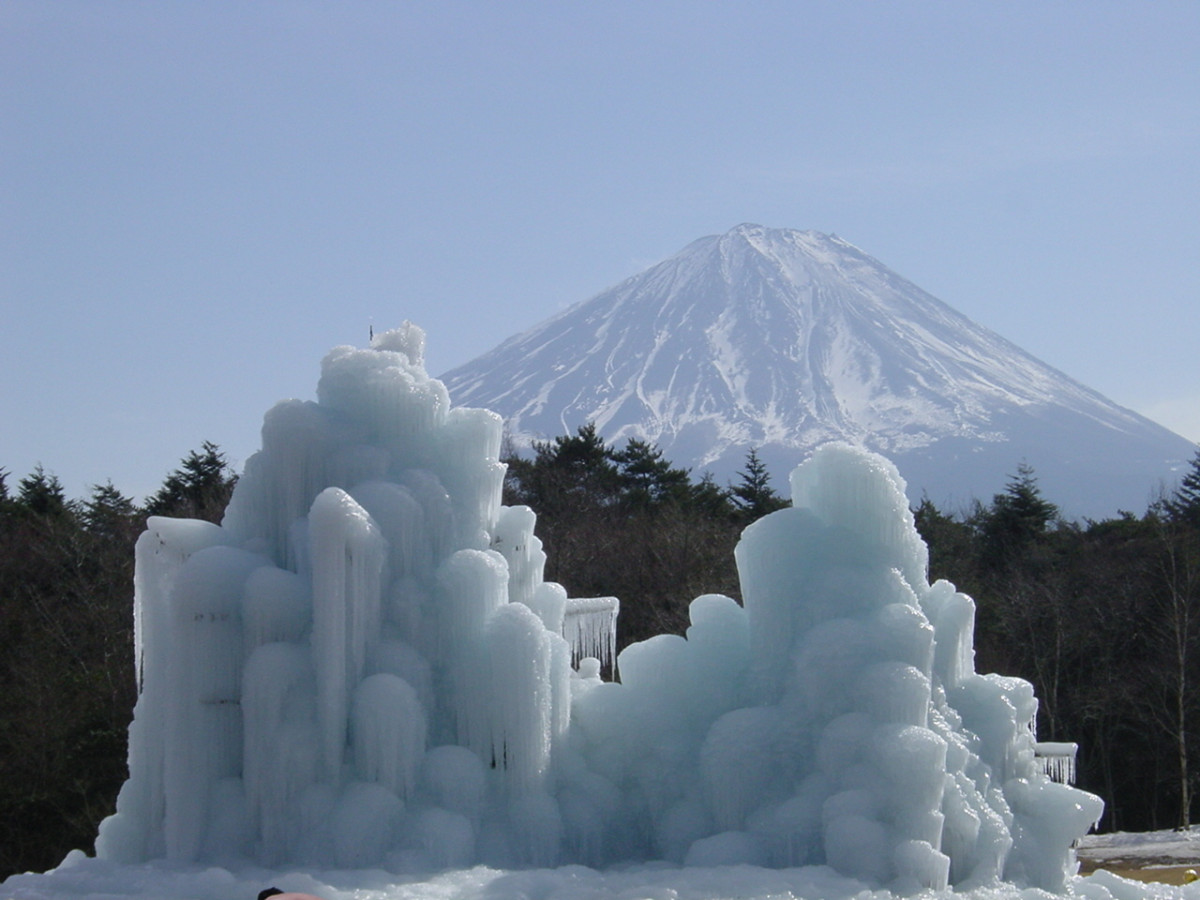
[783, 340]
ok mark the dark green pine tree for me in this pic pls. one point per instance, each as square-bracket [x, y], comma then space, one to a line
[752, 494]
[647, 479]
[1184, 504]
[584, 449]
[108, 512]
[573, 471]
[709, 499]
[199, 489]
[41, 494]
[1016, 519]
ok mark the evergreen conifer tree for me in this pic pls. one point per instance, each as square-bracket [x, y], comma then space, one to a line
[108, 512]
[1184, 504]
[199, 489]
[647, 479]
[42, 494]
[1016, 519]
[753, 495]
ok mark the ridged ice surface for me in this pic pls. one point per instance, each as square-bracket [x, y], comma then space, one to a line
[363, 667]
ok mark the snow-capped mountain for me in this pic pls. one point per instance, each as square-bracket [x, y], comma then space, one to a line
[784, 340]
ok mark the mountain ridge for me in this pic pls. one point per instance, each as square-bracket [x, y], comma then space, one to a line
[783, 340]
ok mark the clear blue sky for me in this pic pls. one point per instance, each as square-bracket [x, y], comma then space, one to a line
[198, 200]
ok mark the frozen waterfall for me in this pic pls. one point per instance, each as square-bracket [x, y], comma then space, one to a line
[363, 667]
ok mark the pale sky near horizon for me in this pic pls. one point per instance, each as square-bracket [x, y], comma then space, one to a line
[198, 200]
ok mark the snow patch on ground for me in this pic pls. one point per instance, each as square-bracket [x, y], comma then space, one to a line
[84, 878]
[1129, 850]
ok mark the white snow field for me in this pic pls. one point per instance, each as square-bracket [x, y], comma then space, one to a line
[358, 686]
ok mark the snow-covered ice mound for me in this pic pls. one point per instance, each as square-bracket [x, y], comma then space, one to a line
[362, 668]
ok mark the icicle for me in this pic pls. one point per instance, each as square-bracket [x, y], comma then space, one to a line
[513, 538]
[162, 549]
[953, 618]
[203, 714]
[136, 832]
[471, 584]
[1057, 760]
[521, 697]
[590, 627]
[347, 558]
[465, 452]
[429, 491]
[388, 733]
[280, 757]
[276, 606]
[283, 478]
[560, 686]
[920, 866]
[549, 601]
[895, 692]
[738, 762]
[401, 521]
[864, 494]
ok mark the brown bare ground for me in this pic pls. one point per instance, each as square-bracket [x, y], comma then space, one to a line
[1144, 870]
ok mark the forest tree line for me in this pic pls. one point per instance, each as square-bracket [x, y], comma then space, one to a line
[1102, 617]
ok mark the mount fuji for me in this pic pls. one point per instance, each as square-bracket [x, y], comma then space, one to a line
[783, 340]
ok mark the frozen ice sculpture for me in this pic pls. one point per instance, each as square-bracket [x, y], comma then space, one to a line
[362, 666]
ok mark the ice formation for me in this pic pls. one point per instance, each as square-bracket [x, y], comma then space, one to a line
[362, 666]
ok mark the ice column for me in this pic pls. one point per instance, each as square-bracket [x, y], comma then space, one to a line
[136, 832]
[347, 562]
[203, 712]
